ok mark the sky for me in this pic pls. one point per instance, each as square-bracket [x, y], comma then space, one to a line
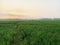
[29, 8]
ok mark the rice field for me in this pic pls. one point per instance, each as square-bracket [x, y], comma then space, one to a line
[30, 32]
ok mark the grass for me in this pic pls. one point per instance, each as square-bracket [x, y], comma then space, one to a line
[30, 32]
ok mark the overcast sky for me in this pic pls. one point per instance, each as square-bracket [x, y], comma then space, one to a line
[31, 8]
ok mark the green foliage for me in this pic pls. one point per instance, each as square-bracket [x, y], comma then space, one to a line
[33, 32]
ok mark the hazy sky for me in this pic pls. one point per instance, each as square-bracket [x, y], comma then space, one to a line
[31, 8]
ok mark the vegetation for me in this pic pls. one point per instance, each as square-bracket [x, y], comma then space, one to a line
[32, 32]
